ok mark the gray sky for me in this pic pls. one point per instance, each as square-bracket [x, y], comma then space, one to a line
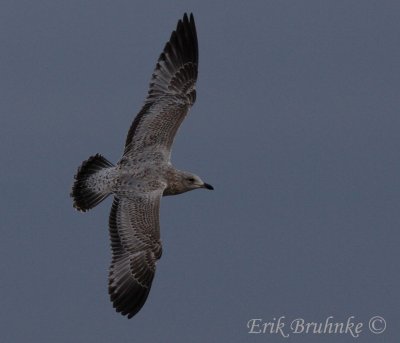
[296, 125]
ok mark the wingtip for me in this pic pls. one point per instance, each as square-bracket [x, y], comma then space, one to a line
[189, 18]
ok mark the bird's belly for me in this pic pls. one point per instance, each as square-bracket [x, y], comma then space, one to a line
[143, 180]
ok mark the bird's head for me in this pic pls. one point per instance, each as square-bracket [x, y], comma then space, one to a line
[192, 181]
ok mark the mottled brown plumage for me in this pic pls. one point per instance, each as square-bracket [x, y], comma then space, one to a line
[144, 173]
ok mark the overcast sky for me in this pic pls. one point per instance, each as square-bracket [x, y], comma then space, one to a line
[296, 125]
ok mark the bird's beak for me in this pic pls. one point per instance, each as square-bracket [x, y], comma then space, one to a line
[207, 186]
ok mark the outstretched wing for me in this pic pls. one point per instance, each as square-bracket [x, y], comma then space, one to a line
[136, 246]
[171, 94]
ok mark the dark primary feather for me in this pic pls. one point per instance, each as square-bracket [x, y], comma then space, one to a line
[176, 69]
[171, 92]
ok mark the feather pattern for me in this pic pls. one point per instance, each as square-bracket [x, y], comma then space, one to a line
[136, 246]
[171, 94]
[144, 173]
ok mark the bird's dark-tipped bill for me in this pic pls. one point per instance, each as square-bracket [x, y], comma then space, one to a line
[208, 186]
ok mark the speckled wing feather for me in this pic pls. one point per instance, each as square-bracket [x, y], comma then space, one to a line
[135, 243]
[171, 94]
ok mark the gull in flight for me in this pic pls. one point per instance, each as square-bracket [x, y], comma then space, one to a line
[144, 173]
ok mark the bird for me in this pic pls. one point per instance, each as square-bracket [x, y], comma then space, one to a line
[144, 173]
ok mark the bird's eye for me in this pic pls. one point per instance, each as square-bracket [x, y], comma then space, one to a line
[190, 179]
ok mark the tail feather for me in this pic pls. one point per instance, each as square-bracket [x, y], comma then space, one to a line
[92, 183]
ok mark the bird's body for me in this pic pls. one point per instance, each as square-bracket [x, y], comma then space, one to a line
[144, 173]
